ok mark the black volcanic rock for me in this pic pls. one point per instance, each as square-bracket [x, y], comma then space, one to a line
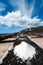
[13, 59]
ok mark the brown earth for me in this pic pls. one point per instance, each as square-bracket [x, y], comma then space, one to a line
[37, 40]
[10, 39]
[3, 48]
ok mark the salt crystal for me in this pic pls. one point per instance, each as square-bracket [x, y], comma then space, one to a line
[24, 51]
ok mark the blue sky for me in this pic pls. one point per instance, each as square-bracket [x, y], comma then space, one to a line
[16, 15]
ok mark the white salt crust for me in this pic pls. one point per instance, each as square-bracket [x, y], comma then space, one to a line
[24, 51]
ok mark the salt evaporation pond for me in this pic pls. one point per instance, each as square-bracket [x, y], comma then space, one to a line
[24, 50]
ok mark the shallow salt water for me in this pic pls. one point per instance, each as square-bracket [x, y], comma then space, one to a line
[24, 51]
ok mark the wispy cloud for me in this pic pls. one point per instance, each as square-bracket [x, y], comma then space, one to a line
[16, 18]
[22, 6]
[37, 7]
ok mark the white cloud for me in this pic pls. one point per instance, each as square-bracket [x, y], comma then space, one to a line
[2, 7]
[41, 24]
[16, 18]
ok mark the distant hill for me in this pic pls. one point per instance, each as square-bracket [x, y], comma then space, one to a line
[37, 29]
[32, 30]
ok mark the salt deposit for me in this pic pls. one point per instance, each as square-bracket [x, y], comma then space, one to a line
[24, 51]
